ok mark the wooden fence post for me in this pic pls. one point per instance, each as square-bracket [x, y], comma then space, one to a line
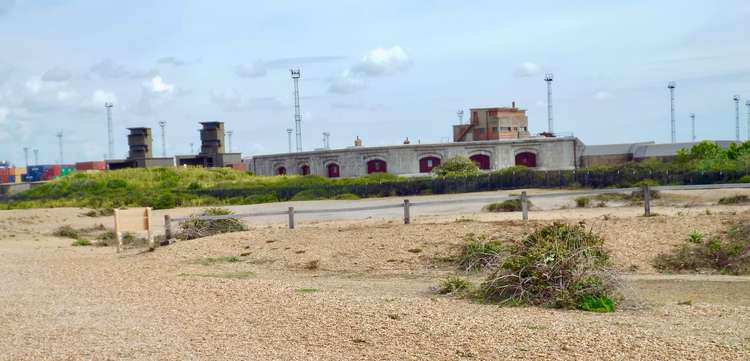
[646, 200]
[291, 217]
[167, 227]
[525, 206]
[407, 215]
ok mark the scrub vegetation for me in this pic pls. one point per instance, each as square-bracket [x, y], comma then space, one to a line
[162, 188]
[726, 253]
[558, 266]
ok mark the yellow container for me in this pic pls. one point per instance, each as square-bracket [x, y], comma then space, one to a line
[20, 172]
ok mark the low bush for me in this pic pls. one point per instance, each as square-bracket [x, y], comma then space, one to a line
[736, 199]
[129, 239]
[510, 205]
[727, 253]
[81, 242]
[194, 227]
[583, 201]
[210, 261]
[310, 195]
[453, 285]
[457, 165]
[101, 212]
[744, 179]
[346, 197]
[67, 231]
[558, 265]
[478, 252]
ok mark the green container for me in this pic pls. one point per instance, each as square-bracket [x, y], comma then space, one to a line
[66, 171]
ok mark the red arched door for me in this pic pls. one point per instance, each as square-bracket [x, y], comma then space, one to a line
[281, 171]
[481, 160]
[376, 166]
[304, 170]
[333, 170]
[526, 159]
[427, 163]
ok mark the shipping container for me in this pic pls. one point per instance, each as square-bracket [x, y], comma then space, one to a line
[6, 171]
[11, 179]
[95, 165]
[4, 179]
[29, 177]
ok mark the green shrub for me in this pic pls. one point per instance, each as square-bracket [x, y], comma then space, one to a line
[601, 304]
[101, 212]
[744, 179]
[453, 285]
[510, 205]
[558, 265]
[583, 201]
[737, 199]
[457, 165]
[310, 195]
[210, 261]
[346, 197]
[727, 253]
[194, 227]
[695, 237]
[81, 242]
[67, 231]
[478, 252]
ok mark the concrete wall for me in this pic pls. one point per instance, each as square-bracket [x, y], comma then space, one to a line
[552, 154]
[608, 159]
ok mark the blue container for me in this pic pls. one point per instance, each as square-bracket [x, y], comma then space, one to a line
[11, 179]
[31, 177]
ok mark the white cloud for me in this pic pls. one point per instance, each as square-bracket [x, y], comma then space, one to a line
[108, 69]
[346, 84]
[528, 69]
[382, 61]
[4, 115]
[157, 85]
[377, 62]
[603, 95]
[56, 75]
[171, 60]
[260, 67]
[99, 97]
[232, 100]
[255, 70]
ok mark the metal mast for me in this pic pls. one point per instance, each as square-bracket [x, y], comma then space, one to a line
[671, 87]
[191, 148]
[297, 118]
[692, 124]
[60, 144]
[162, 124]
[737, 116]
[110, 139]
[36, 156]
[548, 78]
[460, 115]
[229, 141]
[747, 103]
[289, 134]
[326, 140]
[26, 155]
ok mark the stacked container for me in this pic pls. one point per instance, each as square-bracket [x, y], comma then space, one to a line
[85, 166]
[6, 173]
[67, 169]
[20, 172]
[34, 173]
[51, 172]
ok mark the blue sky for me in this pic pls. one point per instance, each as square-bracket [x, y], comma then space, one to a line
[382, 70]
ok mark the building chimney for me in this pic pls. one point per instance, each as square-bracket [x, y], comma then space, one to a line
[514, 104]
[407, 141]
[358, 142]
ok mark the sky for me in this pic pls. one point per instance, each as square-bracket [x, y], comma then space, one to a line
[383, 70]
